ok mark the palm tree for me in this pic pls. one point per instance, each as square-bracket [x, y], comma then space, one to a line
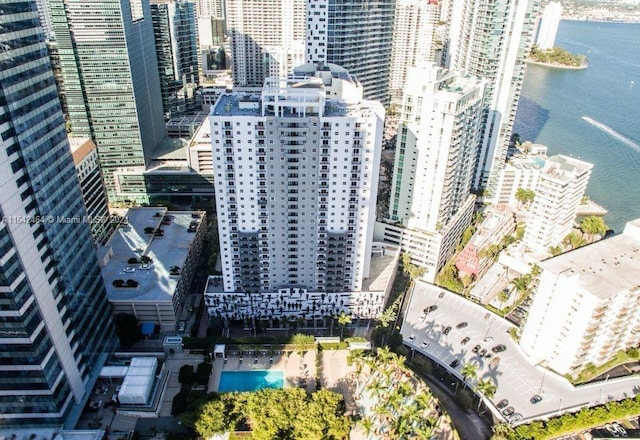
[376, 387]
[487, 389]
[423, 400]
[343, 319]
[469, 372]
[367, 425]
[424, 431]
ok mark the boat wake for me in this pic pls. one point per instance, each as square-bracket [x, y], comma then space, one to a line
[612, 132]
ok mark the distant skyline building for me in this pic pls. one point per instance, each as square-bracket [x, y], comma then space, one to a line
[561, 185]
[266, 37]
[355, 35]
[55, 322]
[439, 135]
[176, 39]
[210, 8]
[106, 51]
[296, 184]
[586, 306]
[548, 26]
[491, 41]
[414, 41]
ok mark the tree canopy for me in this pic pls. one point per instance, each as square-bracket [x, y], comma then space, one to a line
[557, 55]
[593, 225]
[127, 328]
[525, 196]
[273, 414]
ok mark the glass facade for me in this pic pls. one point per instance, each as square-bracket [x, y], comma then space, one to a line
[112, 94]
[50, 283]
[175, 32]
[355, 35]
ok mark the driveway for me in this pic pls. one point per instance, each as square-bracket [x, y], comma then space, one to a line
[516, 379]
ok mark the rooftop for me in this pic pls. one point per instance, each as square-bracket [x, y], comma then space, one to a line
[239, 104]
[80, 147]
[155, 281]
[565, 168]
[606, 267]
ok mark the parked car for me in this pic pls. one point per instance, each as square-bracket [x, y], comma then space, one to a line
[535, 399]
[515, 418]
[488, 355]
[441, 295]
[499, 348]
[465, 340]
[618, 427]
[494, 362]
[430, 309]
[447, 330]
[475, 349]
[454, 363]
[462, 325]
[488, 339]
[508, 411]
[614, 432]
[482, 352]
[412, 337]
[502, 404]
[424, 344]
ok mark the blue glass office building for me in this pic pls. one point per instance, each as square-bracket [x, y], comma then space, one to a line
[55, 324]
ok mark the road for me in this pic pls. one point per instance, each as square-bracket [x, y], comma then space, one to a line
[516, 379]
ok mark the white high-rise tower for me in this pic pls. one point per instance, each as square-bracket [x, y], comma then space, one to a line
[439, 137]
[491, 40]
[267, 38]
[296, 171]
[414, 34]
[548, 26]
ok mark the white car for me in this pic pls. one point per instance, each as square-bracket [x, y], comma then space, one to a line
[618, 427]
[488, 339]
[424, 344]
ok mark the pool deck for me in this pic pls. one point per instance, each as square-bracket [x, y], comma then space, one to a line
[299, 371]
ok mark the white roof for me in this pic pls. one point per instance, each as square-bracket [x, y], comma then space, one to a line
[114, 371]
[138, 381]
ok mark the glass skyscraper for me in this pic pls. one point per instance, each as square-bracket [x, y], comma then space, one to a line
[108, 64]
[176, 35]
[55, 325]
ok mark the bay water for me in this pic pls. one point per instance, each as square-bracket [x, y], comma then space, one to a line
[592, 114]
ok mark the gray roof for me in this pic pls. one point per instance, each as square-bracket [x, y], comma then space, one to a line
[155, 283]
[604, 268]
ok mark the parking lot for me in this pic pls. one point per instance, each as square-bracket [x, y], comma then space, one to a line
[516, 379]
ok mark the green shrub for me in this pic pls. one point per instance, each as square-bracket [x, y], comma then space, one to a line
[202, 373]
[180, 402]
[185, 376]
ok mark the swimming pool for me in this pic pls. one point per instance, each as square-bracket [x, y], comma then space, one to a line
[250, 380]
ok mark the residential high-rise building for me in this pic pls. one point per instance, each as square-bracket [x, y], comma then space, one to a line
[355, 35]
[296, 184]
[548, 26]
[106, 51]
[210, 8]
[561, 185]
[414, 41]
[267, 38]
[177, 49]
[55, 325]
[586, 306]
[521, 171]
[491, 40]
[439, 136]
[85, 158]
